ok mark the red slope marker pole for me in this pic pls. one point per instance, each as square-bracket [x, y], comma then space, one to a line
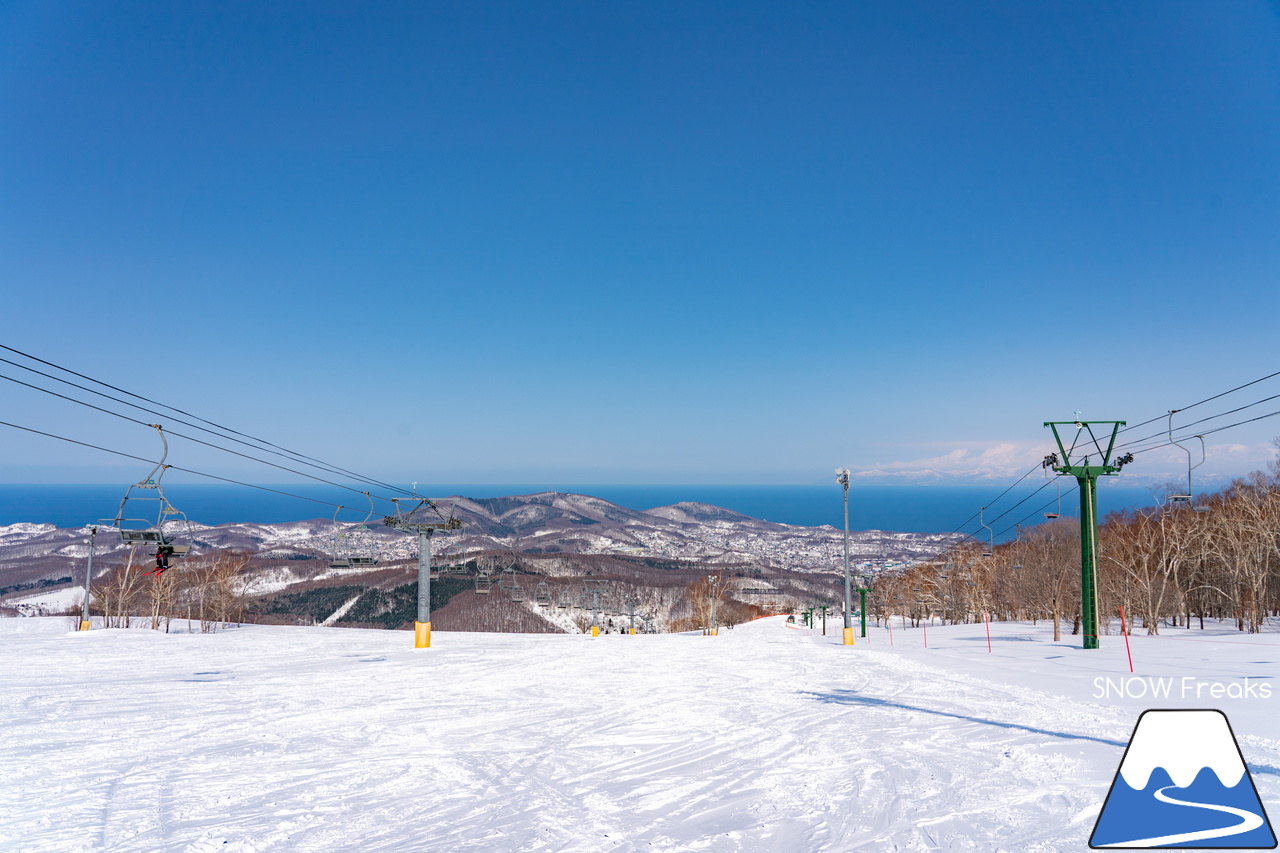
[1124, 629]
[987, 622]
[926, 634]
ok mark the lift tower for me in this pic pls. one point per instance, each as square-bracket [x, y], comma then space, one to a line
[1074, 462]
[842, 477]
[403, 520]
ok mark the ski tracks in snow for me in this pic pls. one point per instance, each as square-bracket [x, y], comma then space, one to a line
[316, 739]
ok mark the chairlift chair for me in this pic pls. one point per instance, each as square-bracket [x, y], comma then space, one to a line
[991, 537]
[138, 531]
[344, 556]
[1190, 495]
[484, 583]
[542, 595]
[1052, 515]
[507, 580]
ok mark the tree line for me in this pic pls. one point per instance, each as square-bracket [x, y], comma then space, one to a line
[214, 590]
[1173, 565]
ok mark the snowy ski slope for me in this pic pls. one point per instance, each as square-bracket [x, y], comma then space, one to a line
[764, 738]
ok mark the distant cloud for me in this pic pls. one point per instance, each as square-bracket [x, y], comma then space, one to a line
[973, 462]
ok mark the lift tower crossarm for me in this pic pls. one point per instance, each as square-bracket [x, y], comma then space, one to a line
[1104, 455]
[1074, 462]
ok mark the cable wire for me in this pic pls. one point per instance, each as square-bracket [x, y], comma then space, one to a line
[300, 456]
[193, 439]
[1133, 445]
[323, 466]
[175, 467]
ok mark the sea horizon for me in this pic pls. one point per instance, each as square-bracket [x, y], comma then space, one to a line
[891, 508]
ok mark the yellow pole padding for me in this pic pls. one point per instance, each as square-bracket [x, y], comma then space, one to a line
[422, 635]
[633, 632]
[84, 625]
[595, 630]
[848, 636]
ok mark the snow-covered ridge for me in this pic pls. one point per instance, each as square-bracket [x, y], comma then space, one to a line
[550, 522]
[23, 530]
[1183, 743]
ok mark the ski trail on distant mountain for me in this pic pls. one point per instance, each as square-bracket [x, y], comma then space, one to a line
[1249, 821]
[342, 611]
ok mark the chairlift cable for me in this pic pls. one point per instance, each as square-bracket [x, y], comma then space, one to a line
[323, 466]
[1031, 495]
[1130, 444]
[994, 500]
[1205, 400]
[301, 456]
[187, 437]
[1144, 450]
[1183, 427]
[174, 467]
[1033, 514]
[1074, 487]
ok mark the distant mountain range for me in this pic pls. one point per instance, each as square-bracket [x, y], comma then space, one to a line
[546, 523]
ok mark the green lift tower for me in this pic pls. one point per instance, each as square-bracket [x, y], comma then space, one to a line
[1074, 461]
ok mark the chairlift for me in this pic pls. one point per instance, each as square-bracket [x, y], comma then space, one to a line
[1190, 495]
[484, 583]
[1052, 515]
[138, 531]
[344, 556]
[507, 580]
[565, 600]
[542, 595]
[517, 594]
[991, 537]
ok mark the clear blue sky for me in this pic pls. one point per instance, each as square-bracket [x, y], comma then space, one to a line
[640, 242]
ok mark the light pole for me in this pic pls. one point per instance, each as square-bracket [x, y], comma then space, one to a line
[862, 594]
[711, 580]
[842, 477]
[88, 579]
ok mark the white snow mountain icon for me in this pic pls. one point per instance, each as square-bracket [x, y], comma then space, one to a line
[1183, 783]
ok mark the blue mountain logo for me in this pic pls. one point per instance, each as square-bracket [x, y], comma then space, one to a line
[1183, 783]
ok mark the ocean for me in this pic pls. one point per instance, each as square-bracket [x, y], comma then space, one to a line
[908, 509]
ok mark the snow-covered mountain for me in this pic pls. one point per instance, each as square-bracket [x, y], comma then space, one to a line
[557, 535]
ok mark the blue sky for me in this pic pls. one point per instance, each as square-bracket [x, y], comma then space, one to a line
[625, 242]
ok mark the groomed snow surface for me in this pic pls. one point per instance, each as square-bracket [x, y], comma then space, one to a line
[764, 738]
